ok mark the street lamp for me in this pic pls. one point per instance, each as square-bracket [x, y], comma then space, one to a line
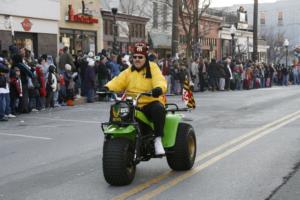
[232, 33]
[286, 45]
[114, 4]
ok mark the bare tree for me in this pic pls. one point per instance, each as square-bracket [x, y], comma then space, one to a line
[275, 40]
[190, 13]
[144, 8]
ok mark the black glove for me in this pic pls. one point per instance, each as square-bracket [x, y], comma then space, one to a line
[156, 92]
[103, 89]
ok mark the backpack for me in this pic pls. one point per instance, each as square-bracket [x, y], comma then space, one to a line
[2, 81]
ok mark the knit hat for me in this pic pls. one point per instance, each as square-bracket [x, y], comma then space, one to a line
[68, 67]
[140, 48]
[91, 54]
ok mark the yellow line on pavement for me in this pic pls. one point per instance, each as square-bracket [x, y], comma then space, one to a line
[249, 134]
[156, 180]
[215, 159]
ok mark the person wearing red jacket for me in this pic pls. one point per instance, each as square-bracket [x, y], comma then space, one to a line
[42, 90]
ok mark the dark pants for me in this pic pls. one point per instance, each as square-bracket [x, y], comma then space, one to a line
[213, 82]
[201, 82]
[101, 84]
[90, 94]
[227, 83]
[13, 104]
[155, 111]
[49, 99]
[24, 101]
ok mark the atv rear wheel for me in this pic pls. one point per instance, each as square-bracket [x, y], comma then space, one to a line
[117, 162]
[183, 154]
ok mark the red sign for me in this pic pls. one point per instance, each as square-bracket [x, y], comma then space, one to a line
[26, 24]
[81, 18]
[84, 19]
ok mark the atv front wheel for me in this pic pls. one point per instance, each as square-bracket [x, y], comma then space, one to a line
[117, 162]
[182, 155]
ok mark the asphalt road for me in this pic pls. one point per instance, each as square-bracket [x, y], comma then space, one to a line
[248, 148]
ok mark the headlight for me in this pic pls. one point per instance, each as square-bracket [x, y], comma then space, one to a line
[124, 110]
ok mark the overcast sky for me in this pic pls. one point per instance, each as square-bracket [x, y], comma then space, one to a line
[223, 3]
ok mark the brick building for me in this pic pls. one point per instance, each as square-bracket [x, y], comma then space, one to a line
[131, 29]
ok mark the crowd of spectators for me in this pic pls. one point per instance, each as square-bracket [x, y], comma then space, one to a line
[28, 84]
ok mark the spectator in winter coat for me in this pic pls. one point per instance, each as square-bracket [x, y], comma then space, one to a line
[175, 78]
[15, 88]
[102, 72]
[65, 58]
[213, 69]
[26, 74]
[34, 93]
[228, 65]
[195, 71]
[41, 100]
[90, 81]
[69, 84]
[51, 86]
[4, 93]
[82, 65]
[222, 77]
[183, 74]
[114, 66]
[202, 74]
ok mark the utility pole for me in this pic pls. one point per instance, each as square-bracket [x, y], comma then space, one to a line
[175, 28]
[255, 19]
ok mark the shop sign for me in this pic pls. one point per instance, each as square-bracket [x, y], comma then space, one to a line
[81, 18]
[84, 19]
[26, 24]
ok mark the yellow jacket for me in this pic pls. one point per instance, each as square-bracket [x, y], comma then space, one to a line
[133, 82]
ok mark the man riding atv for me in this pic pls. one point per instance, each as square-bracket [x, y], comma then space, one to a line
[145, 76]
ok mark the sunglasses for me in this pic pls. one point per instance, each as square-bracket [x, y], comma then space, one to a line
[138, 57]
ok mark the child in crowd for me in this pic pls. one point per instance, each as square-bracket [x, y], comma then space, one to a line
[69, 84]
[15, 88]
[51, 86]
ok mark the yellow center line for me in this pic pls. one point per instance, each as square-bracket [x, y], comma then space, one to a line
[210, 162]
[156, 180]
[250, 134]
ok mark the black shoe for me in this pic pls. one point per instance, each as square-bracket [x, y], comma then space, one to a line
[4, 119]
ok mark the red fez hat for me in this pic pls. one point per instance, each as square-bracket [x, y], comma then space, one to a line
[140, 48]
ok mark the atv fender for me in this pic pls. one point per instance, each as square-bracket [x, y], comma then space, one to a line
[170, 129]
[118, 131]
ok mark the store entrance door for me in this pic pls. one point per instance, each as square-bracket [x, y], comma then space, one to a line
[28, 41]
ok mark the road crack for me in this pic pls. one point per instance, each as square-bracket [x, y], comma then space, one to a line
[285, 180]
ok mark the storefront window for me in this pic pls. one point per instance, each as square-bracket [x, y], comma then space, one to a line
[78, 40]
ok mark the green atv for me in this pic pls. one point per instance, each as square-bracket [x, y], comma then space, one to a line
[129, 139]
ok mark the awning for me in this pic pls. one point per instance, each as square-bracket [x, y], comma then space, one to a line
[160, 40]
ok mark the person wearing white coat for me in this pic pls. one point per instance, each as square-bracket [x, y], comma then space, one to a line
[51, 86]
